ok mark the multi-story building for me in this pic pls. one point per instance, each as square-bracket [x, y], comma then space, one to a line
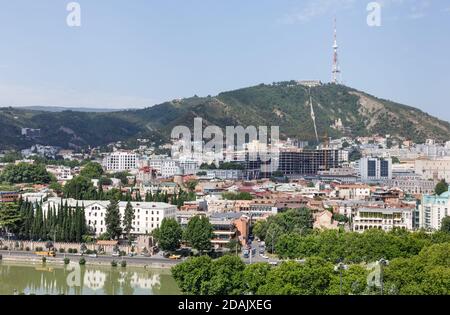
[120, 161]
[383, 219]
[375, 169]
[412, 184]
[433, 169]
[8, 196]
[352, 192]
[308, 162]
[148, 215]
[433, 209]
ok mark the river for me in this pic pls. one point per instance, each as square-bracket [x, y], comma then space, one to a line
[40, 279]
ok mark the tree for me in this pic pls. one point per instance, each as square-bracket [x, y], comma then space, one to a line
[445, 226]
[79, 187]
[128, 219]
[92, 170]
[441, 187]
[10, 218]
[193, 274]
[112, 220]
[168, 235]
[199, 232]
[26, 173]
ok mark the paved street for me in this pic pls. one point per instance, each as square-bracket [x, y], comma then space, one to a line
[101, 258]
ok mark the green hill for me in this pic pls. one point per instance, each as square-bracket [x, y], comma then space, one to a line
[285, 104]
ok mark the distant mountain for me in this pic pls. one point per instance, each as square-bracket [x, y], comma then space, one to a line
[58, 109]
[285, 104]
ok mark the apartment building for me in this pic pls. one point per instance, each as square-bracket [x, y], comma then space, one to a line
[433, 209]
[148, 215]
[120, 161]
[375, 169]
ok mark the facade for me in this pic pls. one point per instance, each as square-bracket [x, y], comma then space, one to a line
[375, 169]
[433, 209]
[353, 192]
[8, 196]
[148, 215]
[120, 161]
[383, 218]
[433, 169]
[412, 184]
[295, 162]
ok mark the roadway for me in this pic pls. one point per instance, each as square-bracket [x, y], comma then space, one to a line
[137, 260]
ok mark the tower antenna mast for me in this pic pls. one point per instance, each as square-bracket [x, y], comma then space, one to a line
[336, 68]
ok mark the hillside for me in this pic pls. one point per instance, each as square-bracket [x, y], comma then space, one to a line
[285, 104]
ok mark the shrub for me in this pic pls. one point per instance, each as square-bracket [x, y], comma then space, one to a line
[82, 262]
[5, 248]
[62, 250]
[39, 249]
[44, 260]
[70, 250]
[66, 261]
[123, 263]
[27, 249]
[74, 251]
[122, 253]
[113, 263]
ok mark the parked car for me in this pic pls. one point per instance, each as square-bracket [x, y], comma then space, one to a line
[116, 254]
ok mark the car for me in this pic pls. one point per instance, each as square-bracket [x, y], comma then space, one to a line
[93, 255]
[175, 257]
[115, 254]
[264, 256]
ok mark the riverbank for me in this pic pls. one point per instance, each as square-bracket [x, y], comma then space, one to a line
[138, 262]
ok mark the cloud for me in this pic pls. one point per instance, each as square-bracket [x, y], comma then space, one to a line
[16, 95]
[316, 8]
[412, 9]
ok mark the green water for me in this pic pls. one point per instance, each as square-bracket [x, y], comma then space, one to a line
[86, 280]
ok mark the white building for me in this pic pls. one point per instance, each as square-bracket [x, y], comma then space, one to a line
[433, 209]
[148, 215]
[435, 169]
[375, 169]
[62, 173]
[383, 219]
[120, 161]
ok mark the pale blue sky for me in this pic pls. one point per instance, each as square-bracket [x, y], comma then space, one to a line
[137, 53]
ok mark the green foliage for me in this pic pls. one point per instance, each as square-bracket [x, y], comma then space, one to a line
[445, 226]
[113, 263]
[26, 173]
[112, 220]
[123, 263]
[292, 221]
[66, 261]
[237, 196]
[441, 187]
[82, 261]
[199, 233]
[353, 247]
[92, 170]
[128, 219]
[168, 235]
[425, 274]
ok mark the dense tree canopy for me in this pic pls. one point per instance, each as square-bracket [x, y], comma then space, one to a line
[441, 187]
[26, 173]
[92, 170]
[199, 232]
[168, 235]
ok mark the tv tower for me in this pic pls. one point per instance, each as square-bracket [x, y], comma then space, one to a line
[336, 69]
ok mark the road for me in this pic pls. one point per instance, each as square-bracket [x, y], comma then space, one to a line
[138, 260]
[257, 257]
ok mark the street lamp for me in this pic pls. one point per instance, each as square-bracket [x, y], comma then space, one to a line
[338, 268]
[382, 262]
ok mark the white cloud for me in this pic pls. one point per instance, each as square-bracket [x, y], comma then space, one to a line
[413, 9]
[16, 95]
[316, 8]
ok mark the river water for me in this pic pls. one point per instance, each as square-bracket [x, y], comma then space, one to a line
[40, 279]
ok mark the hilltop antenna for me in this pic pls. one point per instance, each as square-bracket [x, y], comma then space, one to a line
[313, 116]
[336, 68]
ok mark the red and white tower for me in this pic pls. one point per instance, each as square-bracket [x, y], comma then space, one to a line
[336, 68]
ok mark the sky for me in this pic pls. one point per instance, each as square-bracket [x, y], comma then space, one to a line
[137, 53]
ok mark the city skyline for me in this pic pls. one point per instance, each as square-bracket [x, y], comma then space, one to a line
[141, 54]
